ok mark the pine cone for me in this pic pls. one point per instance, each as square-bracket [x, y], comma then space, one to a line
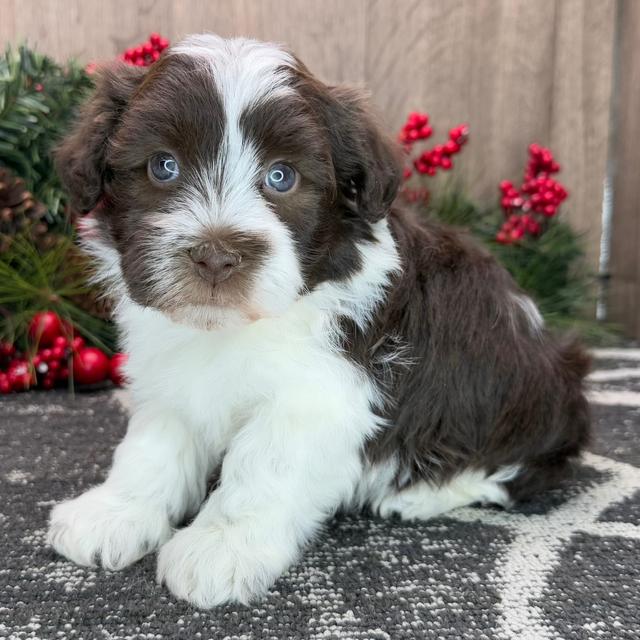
[21, 213]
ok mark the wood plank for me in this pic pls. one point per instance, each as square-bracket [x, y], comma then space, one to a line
[487, 63]
[624, 294]
[88, 30]
[329, 36]
[7, 22]
[580, 111]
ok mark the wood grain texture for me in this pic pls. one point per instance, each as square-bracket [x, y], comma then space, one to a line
[517, 71]
[88, 30]
[624, 294]
[328, 36]
[7, 21]
[580, 109]
[465, 62]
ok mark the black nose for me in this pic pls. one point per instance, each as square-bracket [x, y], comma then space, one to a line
[214, 263]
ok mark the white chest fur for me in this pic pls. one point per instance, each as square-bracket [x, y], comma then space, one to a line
[216, 380]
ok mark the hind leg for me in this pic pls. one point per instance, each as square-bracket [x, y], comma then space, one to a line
[423, 500]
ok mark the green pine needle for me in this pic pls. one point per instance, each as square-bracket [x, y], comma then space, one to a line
[31, 282]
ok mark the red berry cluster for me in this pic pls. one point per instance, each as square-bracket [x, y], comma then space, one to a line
[54, 355]
[516, 226]
[51, 363]
[15, 374]
[538, 198]
[429, 161]
[415, 128]
[145, 54]
[540, 161]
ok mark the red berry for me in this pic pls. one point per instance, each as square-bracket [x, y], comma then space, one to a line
[534, 227]
[44, 328]
[154, 38]
[5, 386]
[77, 343]
[7, 350]
[90, 365]
[63, 374]
[118, 362]
[61, 342]
[20, 375]
[58, 353]
[46, 355]
[451, 147]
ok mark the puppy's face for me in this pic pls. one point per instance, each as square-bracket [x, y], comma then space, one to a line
[229, 181]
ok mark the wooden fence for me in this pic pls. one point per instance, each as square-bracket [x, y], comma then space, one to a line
[517, 71]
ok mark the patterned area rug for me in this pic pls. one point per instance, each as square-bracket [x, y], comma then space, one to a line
[565, 566]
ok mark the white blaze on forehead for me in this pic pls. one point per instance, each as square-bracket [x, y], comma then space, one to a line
[244, 71]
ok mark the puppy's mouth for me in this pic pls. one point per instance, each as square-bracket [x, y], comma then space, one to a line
[205, 304]
[210, 294]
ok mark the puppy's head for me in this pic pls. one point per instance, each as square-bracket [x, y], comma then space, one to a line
[225, 181]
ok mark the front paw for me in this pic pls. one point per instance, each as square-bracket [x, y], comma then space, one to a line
[100, 526]
[209, 566]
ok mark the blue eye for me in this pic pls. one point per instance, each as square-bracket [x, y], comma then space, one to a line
[280, 177]
[163, 167]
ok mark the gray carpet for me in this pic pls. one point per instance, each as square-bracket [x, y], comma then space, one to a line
[564, 566]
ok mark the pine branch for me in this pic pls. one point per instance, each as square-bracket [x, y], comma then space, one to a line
[31, 281]
[37, 99]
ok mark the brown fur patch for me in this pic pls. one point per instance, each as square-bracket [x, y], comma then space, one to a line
[471, 388]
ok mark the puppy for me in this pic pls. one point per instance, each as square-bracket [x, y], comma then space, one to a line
[290, 331]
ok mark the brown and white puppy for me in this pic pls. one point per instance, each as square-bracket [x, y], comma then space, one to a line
[289, 329]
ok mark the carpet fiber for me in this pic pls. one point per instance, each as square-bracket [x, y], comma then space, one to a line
[564, 566]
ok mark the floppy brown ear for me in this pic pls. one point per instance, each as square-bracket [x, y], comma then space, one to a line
[80, 157]
[367, 163]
